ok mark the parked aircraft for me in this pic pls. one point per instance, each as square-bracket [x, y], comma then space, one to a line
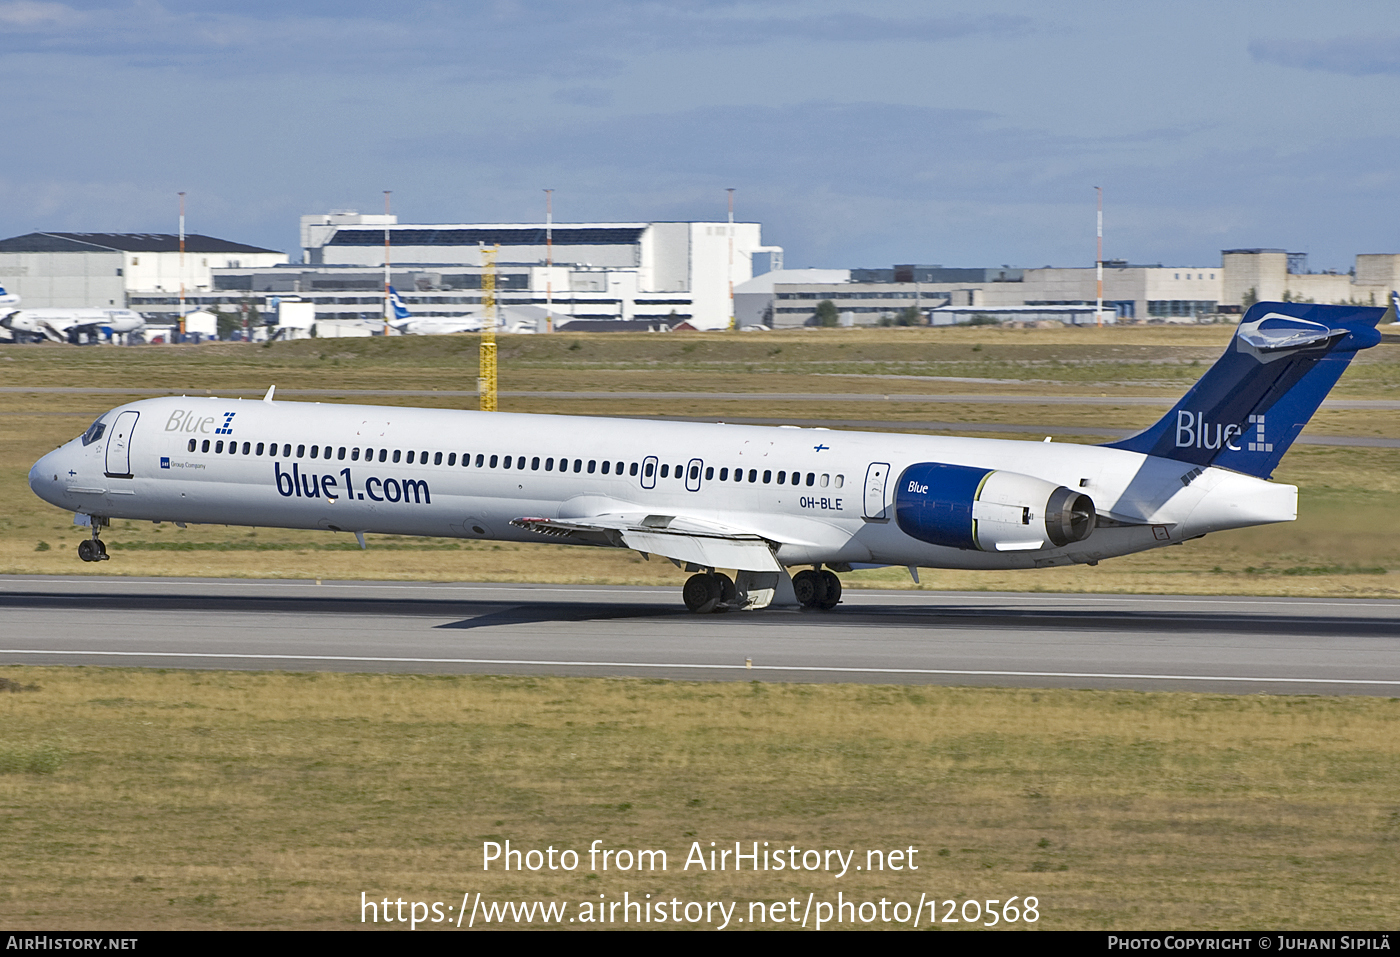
[715, 497]
[9, 301]
[71, 325]
[407, 325]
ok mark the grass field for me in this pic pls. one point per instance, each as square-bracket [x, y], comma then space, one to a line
[136, 798]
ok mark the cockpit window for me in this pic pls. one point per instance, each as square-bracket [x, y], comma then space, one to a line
[94, 432]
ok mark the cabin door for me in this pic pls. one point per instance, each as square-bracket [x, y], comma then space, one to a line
[876, 477]
[119, 445]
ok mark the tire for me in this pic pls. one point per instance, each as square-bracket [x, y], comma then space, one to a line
[701, 593]
[832, 597]
[87, 551]
[809, 588]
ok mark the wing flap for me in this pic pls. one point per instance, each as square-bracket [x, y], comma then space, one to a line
[693, 541]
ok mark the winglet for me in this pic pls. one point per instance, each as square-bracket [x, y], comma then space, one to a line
[270, 389]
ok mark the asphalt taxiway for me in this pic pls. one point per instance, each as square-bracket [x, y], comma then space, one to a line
[1147, 642]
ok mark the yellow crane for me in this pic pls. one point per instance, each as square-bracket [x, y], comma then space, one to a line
[486, 379]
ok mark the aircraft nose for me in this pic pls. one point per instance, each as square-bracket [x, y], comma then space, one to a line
[45, 477]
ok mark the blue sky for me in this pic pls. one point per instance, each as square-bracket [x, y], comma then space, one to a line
[859, 134]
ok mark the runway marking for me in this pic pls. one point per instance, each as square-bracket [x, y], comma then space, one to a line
[853, 596]
[704, 667]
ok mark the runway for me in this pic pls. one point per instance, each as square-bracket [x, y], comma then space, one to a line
[1169, 643]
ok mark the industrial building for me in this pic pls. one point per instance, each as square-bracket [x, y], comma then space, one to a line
[1130, 292]
[678, 271]
[109, 269]
[657, 275]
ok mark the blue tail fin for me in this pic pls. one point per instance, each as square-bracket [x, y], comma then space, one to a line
[1249, 407]
[400, 310]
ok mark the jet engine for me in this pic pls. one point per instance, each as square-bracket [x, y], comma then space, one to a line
[989, 510]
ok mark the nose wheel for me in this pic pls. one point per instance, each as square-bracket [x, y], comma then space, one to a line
[92, 549]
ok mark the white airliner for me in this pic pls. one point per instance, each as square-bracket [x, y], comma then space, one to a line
[70, 325]
[9, 302]
[715, 497]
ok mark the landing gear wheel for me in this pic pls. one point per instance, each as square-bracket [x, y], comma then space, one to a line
[728, 594]
[701, 593]
[87, 551]
[810, 588]
[832, 597]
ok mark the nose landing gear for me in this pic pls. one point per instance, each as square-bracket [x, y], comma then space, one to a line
[92, 549]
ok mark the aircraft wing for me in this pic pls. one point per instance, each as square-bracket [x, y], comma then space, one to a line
[681, 539]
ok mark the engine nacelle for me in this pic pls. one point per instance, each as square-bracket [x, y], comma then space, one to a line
[989, 510]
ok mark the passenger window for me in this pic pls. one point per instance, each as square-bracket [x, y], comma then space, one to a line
[314, 450]
[578, 465]
[606, 466]
[694, 472]
[781, 476]
[811, 478]
[680, 471]
[520, 462]
[451, 458]
[767, 476]
[824, 479]
[495, 459]
[840, 480]
[753, 475]
[423, 457]
[397, 453]
[549, 465]
[437, 458]
[247, 447]
[665, 471]
[649, 469]
[301, 450]
[480, 460]
[355, 454]
[383, 453]
[204, 448]
[505, 462]
[409, 458]
[633, 469]
[260, 448]
[709, 473]
[219, 446]
[286, 451]
[192, 445]
[592, 464]
[340, 454]
[535, 464]
[724, 475]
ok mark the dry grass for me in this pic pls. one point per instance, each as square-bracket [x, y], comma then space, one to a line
[178, 799]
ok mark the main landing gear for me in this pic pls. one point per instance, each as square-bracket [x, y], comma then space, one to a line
[709, 591]
[92, 549]
[817, 589]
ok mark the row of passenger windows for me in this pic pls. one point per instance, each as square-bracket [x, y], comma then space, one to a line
[482, 460]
